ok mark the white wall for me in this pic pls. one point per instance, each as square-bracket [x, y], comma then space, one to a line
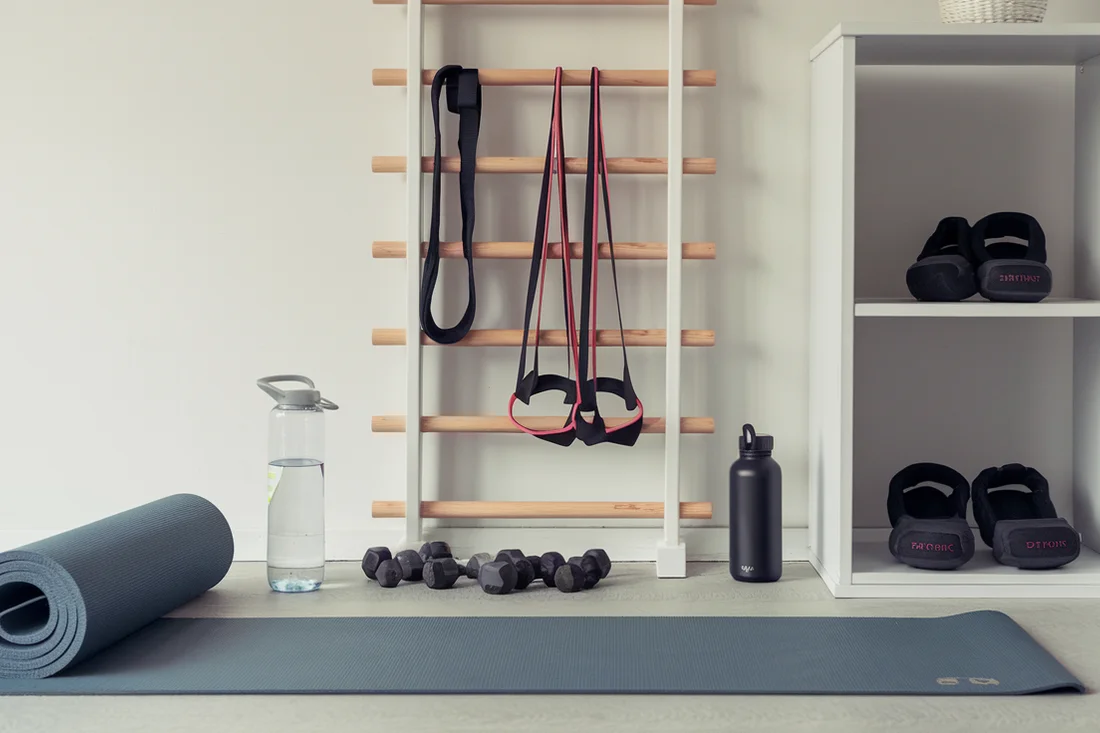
[186, 204]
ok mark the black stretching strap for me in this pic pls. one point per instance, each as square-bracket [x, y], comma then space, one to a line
[463, 99]
[596, 431]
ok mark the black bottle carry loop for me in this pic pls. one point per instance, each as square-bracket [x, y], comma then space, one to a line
[596, 431]
[532, 383]
[463, 99]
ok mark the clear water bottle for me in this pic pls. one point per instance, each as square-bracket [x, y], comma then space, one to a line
[295, 485]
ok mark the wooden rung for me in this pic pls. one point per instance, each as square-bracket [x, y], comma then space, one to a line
[541, 509]
[570, 77]
[523, 250]
[545, 2]
[501, 424]
[555, 337]
[514, 164]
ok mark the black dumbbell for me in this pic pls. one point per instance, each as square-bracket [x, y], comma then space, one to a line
[412, 567]
[602, 560]
[498, 577]
[388, 573]
[591, 569]
[435, 551]
[569, 578]
[441, 573]
[374, 557]
[525, 572]
[548, 565]
[473, 565]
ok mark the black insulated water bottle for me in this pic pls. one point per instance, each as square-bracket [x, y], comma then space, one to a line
[756, 511]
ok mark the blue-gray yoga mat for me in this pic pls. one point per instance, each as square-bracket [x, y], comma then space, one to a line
[980, 653]
[66, 598]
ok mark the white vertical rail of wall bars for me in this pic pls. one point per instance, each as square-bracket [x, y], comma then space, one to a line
[414, 37]
[671, 551]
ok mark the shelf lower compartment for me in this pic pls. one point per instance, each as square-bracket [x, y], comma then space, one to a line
[977, 308]
[872, 564]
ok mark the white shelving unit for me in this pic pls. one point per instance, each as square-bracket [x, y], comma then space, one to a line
[911, 124]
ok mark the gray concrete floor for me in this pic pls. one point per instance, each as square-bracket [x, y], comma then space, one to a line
[1069, 629]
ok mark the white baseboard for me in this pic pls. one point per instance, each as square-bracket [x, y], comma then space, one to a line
[623, 544]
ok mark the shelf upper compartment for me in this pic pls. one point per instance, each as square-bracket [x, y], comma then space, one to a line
[994, 44]
[977, 308]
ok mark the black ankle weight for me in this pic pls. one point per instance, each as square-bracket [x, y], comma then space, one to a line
[1022, 527]
[943, 271]
[930, 529]
[1009, 271]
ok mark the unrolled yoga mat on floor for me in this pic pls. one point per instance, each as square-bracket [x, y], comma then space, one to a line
[979, 653]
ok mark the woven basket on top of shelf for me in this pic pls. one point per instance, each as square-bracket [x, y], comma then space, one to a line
[993, 11]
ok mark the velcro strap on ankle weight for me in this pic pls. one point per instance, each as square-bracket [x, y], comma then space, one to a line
[1035, 544]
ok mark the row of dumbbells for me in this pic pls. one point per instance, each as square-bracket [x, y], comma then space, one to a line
[510, 570]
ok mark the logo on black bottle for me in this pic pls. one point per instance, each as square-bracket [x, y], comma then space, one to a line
[747, 568]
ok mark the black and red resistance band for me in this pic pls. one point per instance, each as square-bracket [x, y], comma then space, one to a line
[579, 391]
[463, 99]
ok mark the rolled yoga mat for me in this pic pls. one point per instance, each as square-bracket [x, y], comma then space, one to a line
[980, 653]
[68, 597]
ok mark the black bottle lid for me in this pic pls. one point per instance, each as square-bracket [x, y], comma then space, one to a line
[753, 445]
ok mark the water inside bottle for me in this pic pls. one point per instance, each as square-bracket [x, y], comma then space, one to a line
[296, 525]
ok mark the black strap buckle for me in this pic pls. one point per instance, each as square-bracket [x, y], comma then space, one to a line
[463, 91]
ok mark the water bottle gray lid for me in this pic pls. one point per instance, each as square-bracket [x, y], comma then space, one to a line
[295, 397]
[751, 442]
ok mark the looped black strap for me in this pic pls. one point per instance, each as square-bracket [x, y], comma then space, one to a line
[1008, 224]
[918, 473]
[529, 384]
[952, 237]
[596, 431]
[463, 99]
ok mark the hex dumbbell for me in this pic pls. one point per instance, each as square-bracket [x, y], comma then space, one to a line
[473, 565]
[434, 551]
[374, 557]
[498, 577]
[602, 560]
[525, 572]
[548, 566]
[412, 565]
[580, 573]
[441, 573]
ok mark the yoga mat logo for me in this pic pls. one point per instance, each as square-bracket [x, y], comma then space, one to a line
[979, 681]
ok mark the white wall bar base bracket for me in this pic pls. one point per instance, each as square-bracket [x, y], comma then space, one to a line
[671, 560]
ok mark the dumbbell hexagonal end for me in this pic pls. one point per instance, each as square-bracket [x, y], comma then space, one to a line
[441, 573]
[498, 577]
[412, 567]
[473, 565]
[569, 578]
[388, 573]
[590, 569]
[374, 557]
[434, 551]
[548, 566]
[602, 560]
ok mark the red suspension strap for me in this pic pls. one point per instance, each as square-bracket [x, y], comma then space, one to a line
[532, 383]
[580, 391]
[595, 431]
